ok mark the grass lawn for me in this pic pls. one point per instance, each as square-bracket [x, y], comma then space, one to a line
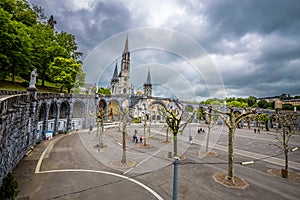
[21, 85]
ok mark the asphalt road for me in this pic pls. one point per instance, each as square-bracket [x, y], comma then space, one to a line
[70, 167]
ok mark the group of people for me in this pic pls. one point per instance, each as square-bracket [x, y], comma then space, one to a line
[201, 130]
[135, 137]
[256, 131]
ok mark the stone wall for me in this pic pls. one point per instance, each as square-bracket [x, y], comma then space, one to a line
[19, 123]
[16, 131]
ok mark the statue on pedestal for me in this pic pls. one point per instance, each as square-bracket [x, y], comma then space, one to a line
[32, 82]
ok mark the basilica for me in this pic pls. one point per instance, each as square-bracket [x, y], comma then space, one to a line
[120, 82]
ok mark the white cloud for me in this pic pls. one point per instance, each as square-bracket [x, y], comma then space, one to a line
[251, 44]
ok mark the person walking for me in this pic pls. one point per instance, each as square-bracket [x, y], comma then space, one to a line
[141, 139]
[135, 139]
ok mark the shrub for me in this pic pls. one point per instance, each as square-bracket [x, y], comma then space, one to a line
[9, 187]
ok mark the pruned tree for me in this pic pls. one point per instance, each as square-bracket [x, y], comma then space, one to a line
[287, 121]
[173, 118]
[248, 120]
[144, 119]
[209, 126]
[100, 117]
[265, 118]
[124, 118]
[232, 119]
[212, 119]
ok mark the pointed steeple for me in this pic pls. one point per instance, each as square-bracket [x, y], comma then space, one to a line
[126, 49]
[115, 75]
[148, 85]
[148, 81]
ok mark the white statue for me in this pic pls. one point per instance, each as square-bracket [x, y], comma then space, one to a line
[33, 76]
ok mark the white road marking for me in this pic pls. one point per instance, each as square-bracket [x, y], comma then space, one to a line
[50, 146]
[107, 173]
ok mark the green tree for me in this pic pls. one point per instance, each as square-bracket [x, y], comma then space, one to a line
[251, 100]
[20, 10]
[67, 41]
[104, 91]
[63, 71]
[237, 104]
[79, 81]
[46, 49]
[15, 42]
[262, 103]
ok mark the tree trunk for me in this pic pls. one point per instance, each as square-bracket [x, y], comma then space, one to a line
[267, 126]
[167, 135]
[284, 173]
[230, 176]
[209, 126]
[123, 161]
[208, 133]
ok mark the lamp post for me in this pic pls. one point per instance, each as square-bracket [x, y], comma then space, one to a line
[190, 137]
[144, 119]
[149, 127]
[97, 117]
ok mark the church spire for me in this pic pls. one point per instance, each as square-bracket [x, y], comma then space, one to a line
[148, 85]
[148, 81]
[126, 49]
[115, 75]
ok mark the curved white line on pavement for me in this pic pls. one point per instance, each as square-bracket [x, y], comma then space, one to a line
[38, 166]
[108, 173]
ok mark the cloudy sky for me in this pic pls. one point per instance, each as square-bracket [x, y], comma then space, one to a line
[194, 49]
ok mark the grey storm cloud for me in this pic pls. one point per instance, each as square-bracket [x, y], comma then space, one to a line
[254, 44]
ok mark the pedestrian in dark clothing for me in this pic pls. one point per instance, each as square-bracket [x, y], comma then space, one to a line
[135, 136]
[254, 130]
[258, 131]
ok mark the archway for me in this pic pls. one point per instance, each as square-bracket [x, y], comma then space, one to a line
[113, 110]
[155, 114]
[78, 115]
[78, 109]
[102, 104]
[63, 117]
[52, 117]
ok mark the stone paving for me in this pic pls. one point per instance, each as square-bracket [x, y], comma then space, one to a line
[153, 168]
